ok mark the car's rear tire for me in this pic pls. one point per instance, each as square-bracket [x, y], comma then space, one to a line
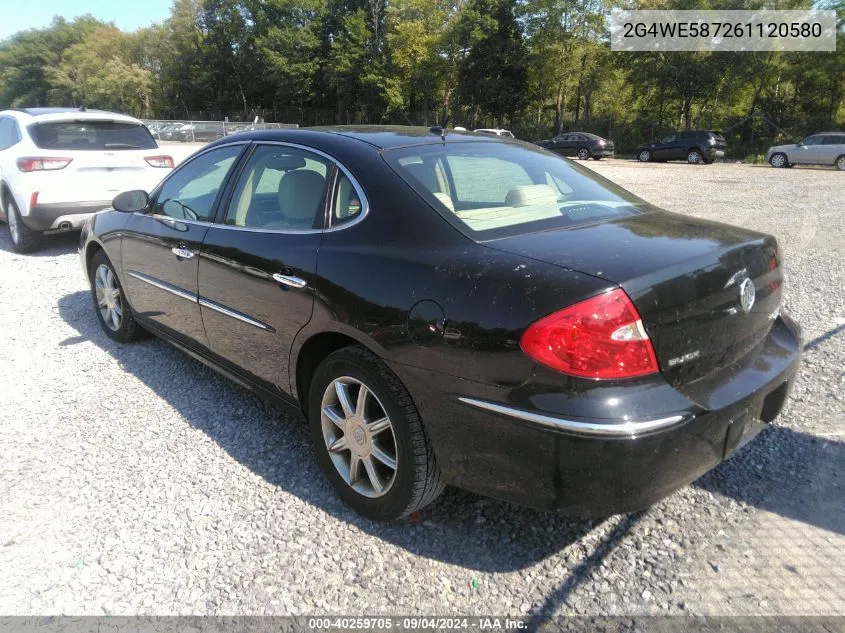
[381, 462]
[840, 163]
[597, 157]
[24, 239]
[644, 156]
[778, 160]
[583, 153]
[695, 157]
[110, 304]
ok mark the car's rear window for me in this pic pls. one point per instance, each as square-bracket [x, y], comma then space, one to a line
[91, 135]
[491, 190]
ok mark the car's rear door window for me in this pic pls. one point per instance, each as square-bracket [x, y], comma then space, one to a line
[91, 135]
[490, 190]
[280, 189]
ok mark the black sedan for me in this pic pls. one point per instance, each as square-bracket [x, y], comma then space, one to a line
[580, 144]
[455, 309]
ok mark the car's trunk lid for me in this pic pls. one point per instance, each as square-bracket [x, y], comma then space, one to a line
[685, 276]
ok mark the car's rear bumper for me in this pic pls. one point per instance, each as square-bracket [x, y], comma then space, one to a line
[63, 216]
[714, 153]
[546, 458]
[603, 153]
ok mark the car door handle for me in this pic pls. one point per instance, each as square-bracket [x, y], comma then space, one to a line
[290, 280]
[182, 252]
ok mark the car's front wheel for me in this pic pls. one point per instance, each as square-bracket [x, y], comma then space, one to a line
[778, 160]
[369, 438]
[24, 239]
[110, 302]
[583, 153]
[644, 156]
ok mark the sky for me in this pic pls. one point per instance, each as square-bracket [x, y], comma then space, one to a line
[128, 15]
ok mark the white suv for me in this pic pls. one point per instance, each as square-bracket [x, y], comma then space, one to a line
[59, 166]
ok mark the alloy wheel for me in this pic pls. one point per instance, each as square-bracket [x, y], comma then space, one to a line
[359, 436]
[12, 219]
[645, 156]
[694, 157]
[583, 154]
[840, 163]
[778, 160]
[108, 297]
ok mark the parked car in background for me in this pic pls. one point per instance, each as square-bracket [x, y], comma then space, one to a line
[581, 144]
[202, 132]
[455, 309]
[826, 148]
[495, 132]
[58, 166]
[693, 146]
[168, 131]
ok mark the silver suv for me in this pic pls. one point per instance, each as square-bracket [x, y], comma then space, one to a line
[827, 148]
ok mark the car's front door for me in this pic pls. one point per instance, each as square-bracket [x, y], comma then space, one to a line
[562, 145]
[666, 149]
[258, 263]
[810, 150]
[160, 248]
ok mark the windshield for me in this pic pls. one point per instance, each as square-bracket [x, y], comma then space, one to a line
[91, 135]
[492, 190]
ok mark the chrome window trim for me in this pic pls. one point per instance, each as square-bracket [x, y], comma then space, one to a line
[365, 203]
[628, 429]
[163, 285]
[212, 305]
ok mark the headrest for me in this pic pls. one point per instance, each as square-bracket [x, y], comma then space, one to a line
[300, 194]
[530, 195]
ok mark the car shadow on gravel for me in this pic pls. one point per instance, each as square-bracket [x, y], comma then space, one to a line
[795, 475]
[51, 245]
[460, 528]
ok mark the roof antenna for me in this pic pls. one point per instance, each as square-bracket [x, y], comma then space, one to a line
[82, 108]
[441, 129]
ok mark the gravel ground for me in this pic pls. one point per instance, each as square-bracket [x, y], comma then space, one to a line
[136, 481]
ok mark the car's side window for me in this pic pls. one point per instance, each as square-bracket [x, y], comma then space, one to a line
[833, 139]
[669, 138]
[190, 192]
[281, 188]
[562, 138]
[347, 204]
[813, 140]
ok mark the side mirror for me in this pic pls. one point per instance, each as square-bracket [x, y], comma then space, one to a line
[131, 201]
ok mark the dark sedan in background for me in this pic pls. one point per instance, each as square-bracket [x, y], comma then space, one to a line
[580, 144]
[694, 146]
[449, 308]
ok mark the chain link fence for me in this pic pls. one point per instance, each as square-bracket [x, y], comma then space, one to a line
[188, 131]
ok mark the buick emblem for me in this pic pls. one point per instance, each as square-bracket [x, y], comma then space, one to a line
[747, 295]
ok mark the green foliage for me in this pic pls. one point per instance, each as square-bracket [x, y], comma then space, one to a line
[537, 66]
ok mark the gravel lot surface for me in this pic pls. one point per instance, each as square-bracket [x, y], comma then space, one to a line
[135, 480]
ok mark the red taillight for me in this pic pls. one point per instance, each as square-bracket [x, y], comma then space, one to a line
[159, 161]
[42, 163]
[599, 338]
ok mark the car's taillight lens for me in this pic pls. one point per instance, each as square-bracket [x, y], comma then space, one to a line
[159, 161]
[42, 163]
[601, 338]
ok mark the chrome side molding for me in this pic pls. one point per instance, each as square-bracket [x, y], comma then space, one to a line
[581, 427]
[161, 285]
[212, 305]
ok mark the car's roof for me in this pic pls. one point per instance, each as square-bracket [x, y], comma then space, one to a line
[379, 136]
[66, 114]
